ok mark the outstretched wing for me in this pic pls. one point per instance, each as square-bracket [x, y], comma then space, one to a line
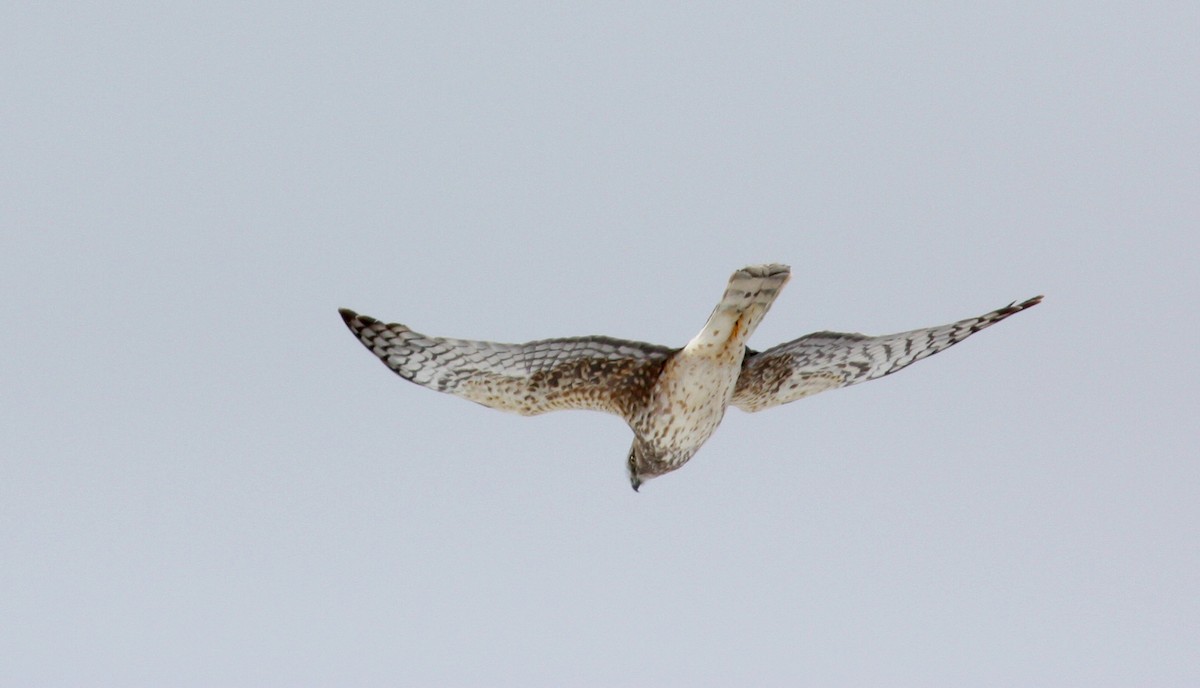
[827, 360]
[598, 373]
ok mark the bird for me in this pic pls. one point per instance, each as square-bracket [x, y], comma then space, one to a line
[672, 398]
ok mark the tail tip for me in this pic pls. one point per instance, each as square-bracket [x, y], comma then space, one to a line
[766, 270]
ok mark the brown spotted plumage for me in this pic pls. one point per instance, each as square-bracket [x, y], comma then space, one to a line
[672, 399]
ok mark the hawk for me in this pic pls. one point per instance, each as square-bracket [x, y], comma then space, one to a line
[672, 399]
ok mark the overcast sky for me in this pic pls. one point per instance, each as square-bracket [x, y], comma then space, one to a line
[206, 481]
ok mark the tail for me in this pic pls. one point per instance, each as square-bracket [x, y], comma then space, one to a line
[748, 297]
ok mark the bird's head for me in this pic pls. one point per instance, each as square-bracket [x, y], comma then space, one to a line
[637, 464]
[645, 463]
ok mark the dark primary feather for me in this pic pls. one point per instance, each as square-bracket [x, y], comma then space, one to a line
[827, 360]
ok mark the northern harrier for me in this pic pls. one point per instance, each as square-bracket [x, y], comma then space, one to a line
[673, 399]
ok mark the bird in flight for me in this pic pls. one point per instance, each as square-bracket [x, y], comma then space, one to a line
[672, 398]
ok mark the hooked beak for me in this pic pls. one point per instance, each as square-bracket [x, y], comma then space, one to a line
[635, 481]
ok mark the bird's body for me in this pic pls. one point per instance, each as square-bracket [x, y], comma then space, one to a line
[672, 399]
[689, 399]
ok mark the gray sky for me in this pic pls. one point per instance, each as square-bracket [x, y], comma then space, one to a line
[206, 481]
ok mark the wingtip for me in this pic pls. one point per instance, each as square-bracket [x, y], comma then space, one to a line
[347, 315]
[1013, 308]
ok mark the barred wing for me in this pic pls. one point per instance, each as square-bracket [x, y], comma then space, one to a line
[827, 360]
[598, 373]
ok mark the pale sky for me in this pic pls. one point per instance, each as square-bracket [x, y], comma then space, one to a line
[205, 481]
